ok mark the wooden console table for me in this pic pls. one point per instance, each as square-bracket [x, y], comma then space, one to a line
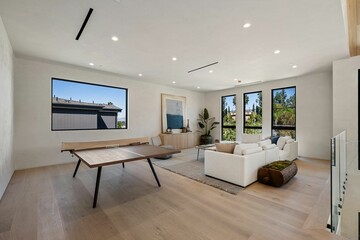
[181, 140]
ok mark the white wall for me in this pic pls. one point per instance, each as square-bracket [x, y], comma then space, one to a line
[34, 142]
[6, 109]
[313, 111]
[345, 103]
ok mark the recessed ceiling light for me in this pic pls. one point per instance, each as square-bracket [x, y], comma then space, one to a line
[115, 38]
[246, 25]
[174, 59]
[140, 74]
[294, 66]
[211, 71]
[91, 64]
[173, 82]
[198, 87]
[277, 51]
[235, 79]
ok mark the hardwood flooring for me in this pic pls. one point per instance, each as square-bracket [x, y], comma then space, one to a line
[47, 203]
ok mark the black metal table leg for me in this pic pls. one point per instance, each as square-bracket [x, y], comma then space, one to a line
[77, 167]
[123, 165]
[97, 186]
[153, 170]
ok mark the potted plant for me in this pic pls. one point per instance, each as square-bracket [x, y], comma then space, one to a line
[206, 124]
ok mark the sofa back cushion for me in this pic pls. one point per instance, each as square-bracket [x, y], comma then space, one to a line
[239, 148]
[251, 150]
[225, 147]
[281, 142]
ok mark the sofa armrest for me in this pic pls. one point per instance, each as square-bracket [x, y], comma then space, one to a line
[238, 169]
[292, 149]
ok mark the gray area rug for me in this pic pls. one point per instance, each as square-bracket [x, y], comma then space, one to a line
[186, 165]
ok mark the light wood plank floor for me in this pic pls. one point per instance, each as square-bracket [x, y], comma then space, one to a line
[47, 203]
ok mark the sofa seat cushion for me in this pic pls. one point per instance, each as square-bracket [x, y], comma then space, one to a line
[239, 148]
[270, 146]
[249, 151]
[225, 147]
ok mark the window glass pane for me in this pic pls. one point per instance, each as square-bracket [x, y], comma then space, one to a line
[228, 112]
[284, 117]
[229, 134]
[252, 131]
[252, 111]
[284, 112]
[85, 106]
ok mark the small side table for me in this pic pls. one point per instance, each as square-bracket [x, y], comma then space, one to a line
[204, 147]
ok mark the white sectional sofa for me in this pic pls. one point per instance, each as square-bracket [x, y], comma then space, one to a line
[241, 166]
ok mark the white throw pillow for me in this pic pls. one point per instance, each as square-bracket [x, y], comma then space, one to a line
[290, 141]
[237, 150]
[270, 146]
[281, 142]
[251, 150]
[265, 142]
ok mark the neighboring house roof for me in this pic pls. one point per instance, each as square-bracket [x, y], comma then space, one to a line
[61, 102]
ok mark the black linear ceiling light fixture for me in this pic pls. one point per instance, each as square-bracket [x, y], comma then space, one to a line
[196, 69]
[84, 23]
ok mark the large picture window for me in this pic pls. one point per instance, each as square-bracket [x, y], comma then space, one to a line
[253, 113]
[284, 112]
[228, 123]
[83, 106]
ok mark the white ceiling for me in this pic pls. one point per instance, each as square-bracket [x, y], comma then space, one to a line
[309, 33]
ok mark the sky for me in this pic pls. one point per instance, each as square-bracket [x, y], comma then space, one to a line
[90, 93]
[229, 102]
[252, 100]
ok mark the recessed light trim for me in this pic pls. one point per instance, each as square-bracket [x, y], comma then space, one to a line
[174, 58]
[277, 51]
[247, 25]
[115, 38]
[211, 71]
[173, 82]
[235, 79]
[198, 87]
[140, 74]
[294, 66]
[91, 64]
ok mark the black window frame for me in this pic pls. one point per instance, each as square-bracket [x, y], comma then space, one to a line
[272, 111]
[96, 84]
[244, 110]
[222, 116]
